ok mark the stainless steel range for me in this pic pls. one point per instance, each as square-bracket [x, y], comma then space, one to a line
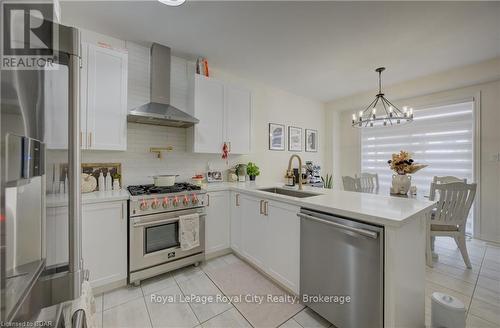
[154, 246]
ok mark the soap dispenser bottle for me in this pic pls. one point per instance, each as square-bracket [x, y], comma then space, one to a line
[109, 182]
[101, 182]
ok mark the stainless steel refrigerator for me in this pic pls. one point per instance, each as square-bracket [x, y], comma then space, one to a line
[29, 288]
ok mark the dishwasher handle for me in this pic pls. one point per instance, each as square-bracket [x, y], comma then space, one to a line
[364, 232]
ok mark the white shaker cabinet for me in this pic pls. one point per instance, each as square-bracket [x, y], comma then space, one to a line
[284, 236]
[57, 246]
[208, 134]
[235, 224]
[224, 112]
[104, 242]
[103, 93]
[254, 228]
[237, 119]
[217, 221]
[267, 233]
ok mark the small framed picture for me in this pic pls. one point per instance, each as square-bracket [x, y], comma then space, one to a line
[311, 140]
[276, 136]
[294, 138]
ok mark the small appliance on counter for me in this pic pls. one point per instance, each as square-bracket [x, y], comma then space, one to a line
[313, 174]
[214, 176]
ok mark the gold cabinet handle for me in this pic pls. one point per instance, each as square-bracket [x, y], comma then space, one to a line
[237, 199]
[261, 209]
[90, 139]
[266, 208]
[208, 200]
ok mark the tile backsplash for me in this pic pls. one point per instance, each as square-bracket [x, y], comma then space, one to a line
[139, 164]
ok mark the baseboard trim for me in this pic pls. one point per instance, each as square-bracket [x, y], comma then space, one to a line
[219, 253]
[109, 287]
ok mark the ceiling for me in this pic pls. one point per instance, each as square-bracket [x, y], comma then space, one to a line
[321, 50]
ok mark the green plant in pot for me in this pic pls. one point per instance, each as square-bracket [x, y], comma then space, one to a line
[252, 171]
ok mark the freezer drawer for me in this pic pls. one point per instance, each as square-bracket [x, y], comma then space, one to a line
[342, 261]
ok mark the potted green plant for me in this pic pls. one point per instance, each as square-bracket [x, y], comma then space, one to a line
[252, 171]
[327, 181]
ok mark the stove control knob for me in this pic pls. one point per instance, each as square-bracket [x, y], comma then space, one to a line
[165, 202]
[185, 201]
[155, 204]
[175, 202]
[144, 205]
[194, 200]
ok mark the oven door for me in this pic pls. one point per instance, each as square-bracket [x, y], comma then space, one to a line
[154, 239]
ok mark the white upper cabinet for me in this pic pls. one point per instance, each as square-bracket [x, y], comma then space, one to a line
[224, 112]
[209, 109]
[103, 98]
[237, 103]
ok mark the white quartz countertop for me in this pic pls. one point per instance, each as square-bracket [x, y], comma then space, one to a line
[377, 209]
[59, 200]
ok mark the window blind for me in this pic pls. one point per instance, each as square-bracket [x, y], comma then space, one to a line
[440, 136]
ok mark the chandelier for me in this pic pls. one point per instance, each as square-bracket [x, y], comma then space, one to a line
[386, 114]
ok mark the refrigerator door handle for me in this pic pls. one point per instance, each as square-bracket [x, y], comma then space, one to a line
[74, 199]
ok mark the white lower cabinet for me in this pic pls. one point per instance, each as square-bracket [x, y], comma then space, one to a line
[268, 235]
[217, 222]
[253, 230]
[235, 224]
[284, 244]
[57, 247]
[104, 242]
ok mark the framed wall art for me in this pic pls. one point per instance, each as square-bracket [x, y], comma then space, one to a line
[294, 138]
[276, 136]
[311, 140]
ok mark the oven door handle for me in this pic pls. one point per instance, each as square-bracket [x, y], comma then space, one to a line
[137, 225]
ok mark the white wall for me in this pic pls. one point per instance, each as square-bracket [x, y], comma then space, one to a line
[483, 80]
[269, 105]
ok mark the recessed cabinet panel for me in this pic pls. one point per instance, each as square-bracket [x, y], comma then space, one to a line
[284, 255]
[104, 242]
[254, 226]
[217, 222]
[235, 205]
[104, 88]
[238, 119]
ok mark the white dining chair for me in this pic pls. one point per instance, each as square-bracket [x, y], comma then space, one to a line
[368, 182]
[449, 217]
[445, 179]
[351, 184]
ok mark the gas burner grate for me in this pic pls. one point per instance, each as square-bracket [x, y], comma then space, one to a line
[152, 189]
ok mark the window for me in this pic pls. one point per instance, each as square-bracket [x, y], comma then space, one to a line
[440, 136]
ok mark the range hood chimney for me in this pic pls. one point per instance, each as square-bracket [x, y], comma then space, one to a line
[159, 111]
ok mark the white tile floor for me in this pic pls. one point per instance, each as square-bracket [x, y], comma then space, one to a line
[478, 288]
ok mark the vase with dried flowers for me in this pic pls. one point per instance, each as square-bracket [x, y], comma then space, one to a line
[403, 165]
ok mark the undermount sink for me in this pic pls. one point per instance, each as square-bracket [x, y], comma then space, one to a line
[289, 192]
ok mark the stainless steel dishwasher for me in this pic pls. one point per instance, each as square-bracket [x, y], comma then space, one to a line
[342, 269]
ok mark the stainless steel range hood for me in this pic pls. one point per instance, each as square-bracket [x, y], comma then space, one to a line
[159, 111]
